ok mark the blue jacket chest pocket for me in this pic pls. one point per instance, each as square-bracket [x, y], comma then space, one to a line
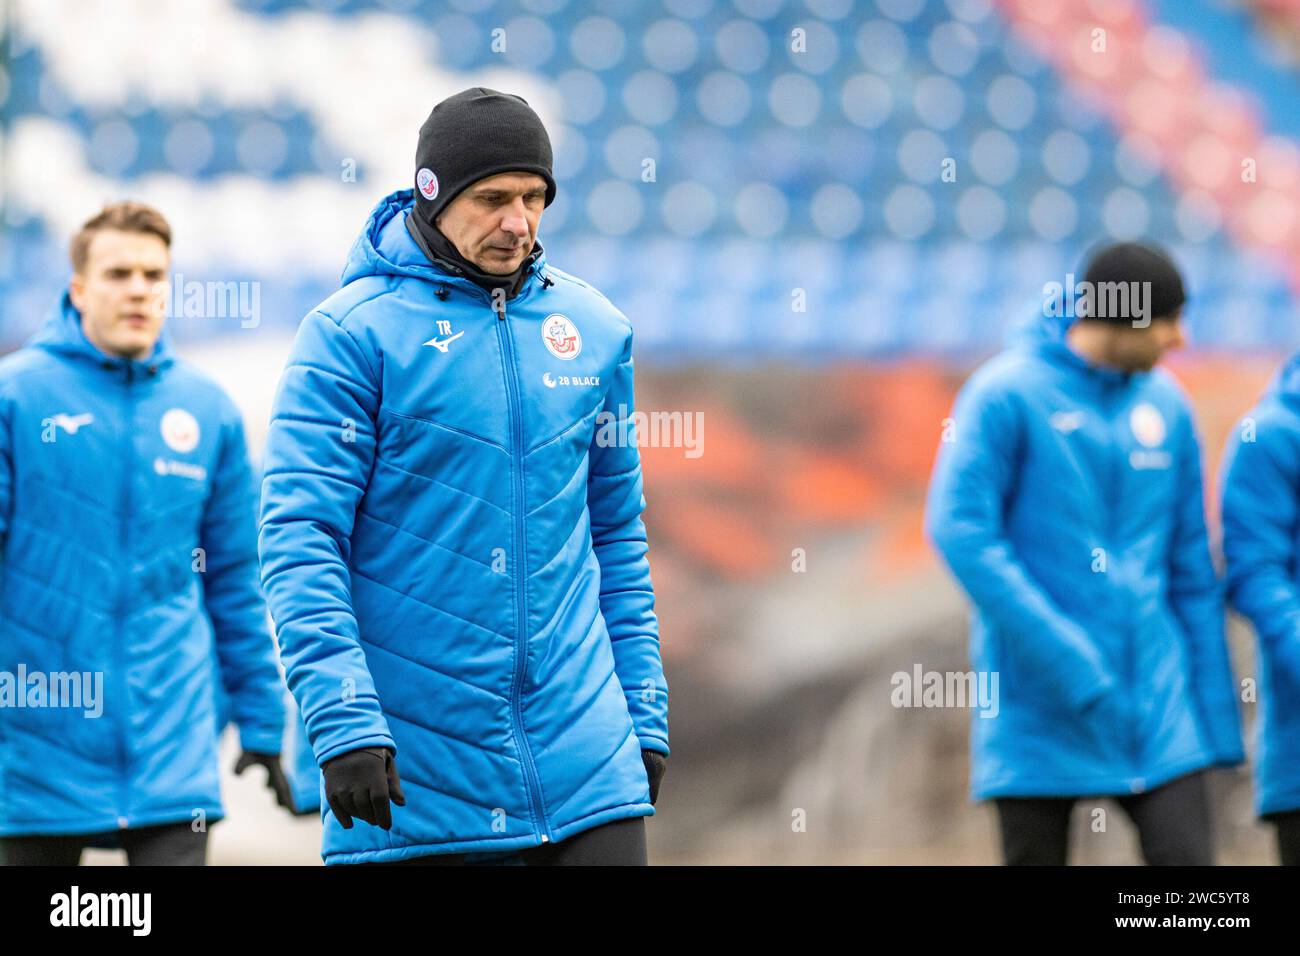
[459, 386]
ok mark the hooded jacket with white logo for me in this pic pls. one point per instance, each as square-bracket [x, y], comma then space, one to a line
[1261, 544]
[454, 556]
[1067, 500]
[128, 521]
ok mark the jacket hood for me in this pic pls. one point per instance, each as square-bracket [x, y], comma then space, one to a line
[386, 248]
[1034, 328]
[1286, 382]
[63, 335]
[1045, 334]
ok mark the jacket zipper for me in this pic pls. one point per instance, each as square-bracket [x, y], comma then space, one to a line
[1117, 473]
[521, 627]
[123, 820]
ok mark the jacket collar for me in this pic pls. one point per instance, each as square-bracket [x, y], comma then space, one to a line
[1062, 355]
[440, 251]
[385, 247]
[1046, 334]
[62, 334]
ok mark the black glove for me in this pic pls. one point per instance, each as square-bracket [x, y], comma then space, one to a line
[275, 779]
[360, 783]
[655, 765]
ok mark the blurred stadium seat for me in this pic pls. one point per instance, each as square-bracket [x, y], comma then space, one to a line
[773, 169]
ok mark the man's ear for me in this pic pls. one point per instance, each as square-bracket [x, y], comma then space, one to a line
[77, 289]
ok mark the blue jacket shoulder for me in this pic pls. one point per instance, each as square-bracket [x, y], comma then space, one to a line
[591, 298]
[1164, 387]
[200, 388]
[18, 364]
[354, 302]
[1004, 374]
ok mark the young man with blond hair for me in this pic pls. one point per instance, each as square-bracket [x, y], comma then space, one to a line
[128, 566]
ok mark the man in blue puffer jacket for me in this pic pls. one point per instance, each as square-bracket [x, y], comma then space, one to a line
[1261, 544]
[129, 566]
[1067, 500]
[451, 537]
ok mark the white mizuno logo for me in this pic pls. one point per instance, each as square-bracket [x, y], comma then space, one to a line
[70, 423]
[1066, 422]
[441, 344]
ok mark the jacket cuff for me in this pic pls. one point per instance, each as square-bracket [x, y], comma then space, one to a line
[374, 740]
[260, 740]
[653, 743]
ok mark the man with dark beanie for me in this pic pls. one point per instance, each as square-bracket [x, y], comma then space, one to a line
[451, 535]
[469, 139]
[1067, 501]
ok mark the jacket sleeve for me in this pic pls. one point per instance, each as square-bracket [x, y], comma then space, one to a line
[304, 776]
[6, 469]
[615, 502]
[972, 480]
[1261, 514]
[245, 652]
[319, 452]
[1196, 596]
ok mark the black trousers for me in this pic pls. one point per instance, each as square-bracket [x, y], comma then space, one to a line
[1173, 824]
[1288, 836]
[168, 844]
[621, 843]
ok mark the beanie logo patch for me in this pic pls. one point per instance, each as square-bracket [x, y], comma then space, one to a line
[561, 337]
[427, 183]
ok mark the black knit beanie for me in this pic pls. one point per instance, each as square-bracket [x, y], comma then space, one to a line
[1132, 262]
[472, 135]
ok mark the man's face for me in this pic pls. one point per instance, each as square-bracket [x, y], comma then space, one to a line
[122, 291]
[493, 223]
[1139, 349]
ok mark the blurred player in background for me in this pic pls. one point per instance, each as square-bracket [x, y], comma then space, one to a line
[127, 516]
[1261, 545]
[451, 537]
[1067, 500]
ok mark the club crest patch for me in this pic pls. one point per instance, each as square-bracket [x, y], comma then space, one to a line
[1148, 424]
[561, 336]
[427, 183]
[180, 430]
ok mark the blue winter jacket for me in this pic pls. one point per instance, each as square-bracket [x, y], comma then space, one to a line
[1067, 501]
[128, 521]
[1261, 543]
[453, 551]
